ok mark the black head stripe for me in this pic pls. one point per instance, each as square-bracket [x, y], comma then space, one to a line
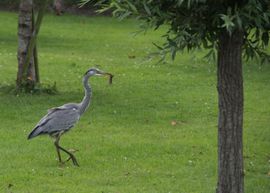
[91, 69]
[86, 72]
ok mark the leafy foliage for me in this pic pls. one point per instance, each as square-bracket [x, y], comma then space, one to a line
[198, 23]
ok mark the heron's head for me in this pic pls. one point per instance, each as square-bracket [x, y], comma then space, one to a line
[97, 72]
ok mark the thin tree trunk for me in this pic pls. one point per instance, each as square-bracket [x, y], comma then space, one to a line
[58, 6]
[25, 29]
[36, 64]
[230, 123]
[35, 54]
[32, 42]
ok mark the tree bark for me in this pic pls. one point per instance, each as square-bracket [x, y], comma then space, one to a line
[58, 6]
[230, 123]
[28, 72]
[25, 29]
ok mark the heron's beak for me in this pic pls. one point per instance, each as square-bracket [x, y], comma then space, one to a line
[107, 74]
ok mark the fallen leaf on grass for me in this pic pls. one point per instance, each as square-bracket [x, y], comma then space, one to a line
[173, 123]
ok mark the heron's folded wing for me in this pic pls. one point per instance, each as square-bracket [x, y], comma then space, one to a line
[60, 119]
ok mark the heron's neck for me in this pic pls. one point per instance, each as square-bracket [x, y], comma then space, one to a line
[88, 92]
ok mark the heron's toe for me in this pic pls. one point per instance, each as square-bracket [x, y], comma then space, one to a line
[73, 150]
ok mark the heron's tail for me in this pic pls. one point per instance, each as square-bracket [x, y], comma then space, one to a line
[34, 133]
[39, 129]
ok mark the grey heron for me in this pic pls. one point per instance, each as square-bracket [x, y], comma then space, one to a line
[61, 119]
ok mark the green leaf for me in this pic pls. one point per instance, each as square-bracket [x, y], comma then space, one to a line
[132, 7]
[125, 15]
[228, 22]
[265, 38]
[239, 21]
[179, 2]
[211, 55]
[83, 3]
[159, 47]
[146, 8]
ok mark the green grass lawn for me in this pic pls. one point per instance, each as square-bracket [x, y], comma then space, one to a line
[126, 140]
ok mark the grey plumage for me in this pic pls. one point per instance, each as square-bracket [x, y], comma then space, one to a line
[58, 119]
[61, 119]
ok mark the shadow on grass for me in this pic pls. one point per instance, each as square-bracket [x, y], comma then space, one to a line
[50, 89]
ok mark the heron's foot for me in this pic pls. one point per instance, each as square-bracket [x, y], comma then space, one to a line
[72, 157]
[73, 150]
[61, 164]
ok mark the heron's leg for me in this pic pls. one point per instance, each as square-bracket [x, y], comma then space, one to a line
[70, 154]
[56, 143]
[71, 151]
[58, 148]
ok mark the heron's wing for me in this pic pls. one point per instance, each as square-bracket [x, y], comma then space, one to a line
[57, 119]
[63, 107]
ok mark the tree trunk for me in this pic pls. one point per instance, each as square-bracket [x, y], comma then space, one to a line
[25, 29]
[28, 72]
[58, 6]
[230, 123]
